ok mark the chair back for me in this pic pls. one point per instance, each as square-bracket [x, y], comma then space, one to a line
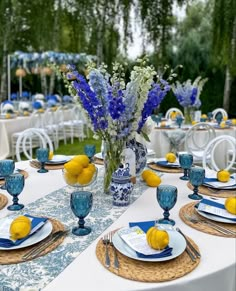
[24, 142]
[196, 142]
[219, 111]
[223, 145]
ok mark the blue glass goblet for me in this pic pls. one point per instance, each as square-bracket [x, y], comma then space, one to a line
[6, 168]
[156, 118]
[196, 178]
[209, 116]
[185, 161]
[42, 156]
[90, 150]
[219, 118]
[81, 203]
[14, 185]
[166, 197]
[179, 120]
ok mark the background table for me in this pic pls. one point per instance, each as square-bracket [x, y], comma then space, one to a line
[216, 270]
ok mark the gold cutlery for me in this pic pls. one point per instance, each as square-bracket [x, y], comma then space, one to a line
[35, 251]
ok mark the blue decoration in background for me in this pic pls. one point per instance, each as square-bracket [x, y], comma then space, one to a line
[37, 105]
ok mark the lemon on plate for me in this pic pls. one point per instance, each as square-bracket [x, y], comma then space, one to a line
[170, 157]
[50, 155]
[223, 176]
[157, 239]
[20, 227]
[230, 205]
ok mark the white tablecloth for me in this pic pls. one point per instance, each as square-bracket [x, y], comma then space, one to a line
[216, 270]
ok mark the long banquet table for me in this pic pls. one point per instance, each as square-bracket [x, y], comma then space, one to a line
[216, 270]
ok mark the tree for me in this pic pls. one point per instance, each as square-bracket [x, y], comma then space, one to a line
[224, 42]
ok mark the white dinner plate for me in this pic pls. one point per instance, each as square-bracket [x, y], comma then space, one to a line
[39, 235]
[177, 242]
[58, 159]
[214, 217]
[98, 156]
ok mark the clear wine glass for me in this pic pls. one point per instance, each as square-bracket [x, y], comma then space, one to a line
[166, 197]
[90, 150]
[196, 178]
[42, 156]
[14, 186]
[7, 168]
[185, 161]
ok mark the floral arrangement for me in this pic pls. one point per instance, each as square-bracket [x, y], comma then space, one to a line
[188, 93]
[117, 110]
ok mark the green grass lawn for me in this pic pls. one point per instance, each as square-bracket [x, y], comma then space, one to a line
[77, 148]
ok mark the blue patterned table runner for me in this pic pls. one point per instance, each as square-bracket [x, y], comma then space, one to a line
[38, 273]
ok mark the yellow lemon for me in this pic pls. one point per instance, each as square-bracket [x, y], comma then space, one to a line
[170, 157]
[230, 205]
[173, 115]
[41, 110]
[163, 124]
[70, 179]
[157, 239]
[225, 118]
[203, 116]
[222, 124]
[73, 167]
[194, 122]
[50, 155]
[8, 115]
[146, 173]
[153, 180]
[234, 121]
[20, 227]
[26, 113]
[92, 168]
[81, 159]
[85, 176]
[223, 176]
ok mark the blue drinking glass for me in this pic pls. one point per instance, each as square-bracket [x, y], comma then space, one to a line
[179, 120]
[81, 203]
[185, 161]
[219, 118]
[166, 197]
[156, 118]
[196, 178]
[42, 156]
[90, 150]
[210, 116]
[7, 167]
[14, 186]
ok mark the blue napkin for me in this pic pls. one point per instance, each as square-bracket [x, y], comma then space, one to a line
[145, 225]
[35, 221]
[207, 180]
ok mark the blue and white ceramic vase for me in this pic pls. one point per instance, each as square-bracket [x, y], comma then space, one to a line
[121, 186]
[140, 151]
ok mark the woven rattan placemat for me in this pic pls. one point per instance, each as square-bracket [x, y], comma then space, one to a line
[189, 209]
[36, 164]
[212, 192]
[15, 256]
[156, 167]
[148, 271]
[3, 201]
[23, 172]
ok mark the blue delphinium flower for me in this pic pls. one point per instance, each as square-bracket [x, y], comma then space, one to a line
[155, 97]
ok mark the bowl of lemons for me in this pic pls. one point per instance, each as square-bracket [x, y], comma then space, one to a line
[79, 171]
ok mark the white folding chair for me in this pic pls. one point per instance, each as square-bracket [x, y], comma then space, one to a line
[25, 139]
[217, 111]
[196, 145]
[223, 145]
